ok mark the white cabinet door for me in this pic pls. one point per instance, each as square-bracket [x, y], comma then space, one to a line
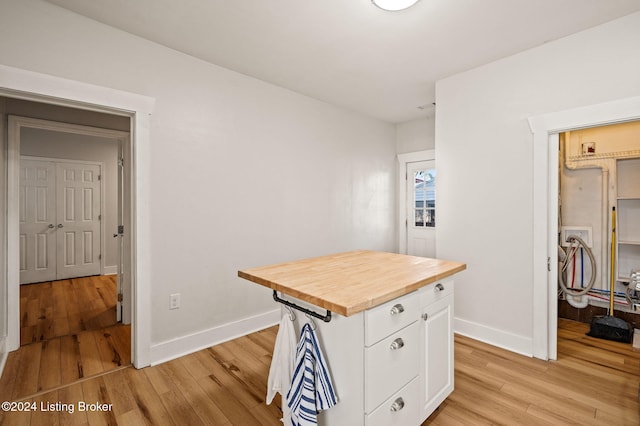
[437, 374]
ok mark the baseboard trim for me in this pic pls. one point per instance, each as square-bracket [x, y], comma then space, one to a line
[492, 336]
[110, 270]
[175, 348]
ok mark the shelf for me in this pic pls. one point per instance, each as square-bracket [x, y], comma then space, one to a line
[628, 259]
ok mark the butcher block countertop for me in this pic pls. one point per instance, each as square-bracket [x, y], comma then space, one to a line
[351, 282]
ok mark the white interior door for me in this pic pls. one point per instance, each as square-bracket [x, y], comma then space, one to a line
[122, 274]
[78, 212]
[59, 220]
[37, 217]
[421, 213]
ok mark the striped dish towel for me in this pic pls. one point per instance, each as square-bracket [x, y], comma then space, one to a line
[311, 388]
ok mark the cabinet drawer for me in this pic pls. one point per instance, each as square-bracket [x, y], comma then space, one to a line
[436, 291]
[390, 364]
[389, 317]
[406, 410]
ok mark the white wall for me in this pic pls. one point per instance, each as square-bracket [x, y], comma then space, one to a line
[67, 146]
[243, 173]
[416, 135]
[485, 172]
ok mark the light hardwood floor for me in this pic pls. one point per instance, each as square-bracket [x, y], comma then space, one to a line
[60, 308]
[68, 333]
[60, 361]
[594, 382]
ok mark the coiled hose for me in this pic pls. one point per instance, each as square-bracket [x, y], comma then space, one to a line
[567, 260]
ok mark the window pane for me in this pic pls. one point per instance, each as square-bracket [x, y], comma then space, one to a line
[430, 220]
[425, 197]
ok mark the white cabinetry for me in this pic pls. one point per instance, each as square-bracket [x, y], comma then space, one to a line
[628, 215]
[389, 366]
[393, 364]
[436, 373]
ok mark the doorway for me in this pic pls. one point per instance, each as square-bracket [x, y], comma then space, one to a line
[546, 129]
[20, 84]
[70, 274]
[599, 168]
[417, 204]
[70, 194]
[81, 198]
[421, 208]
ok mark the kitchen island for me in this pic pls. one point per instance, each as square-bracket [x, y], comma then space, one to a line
[389, 341]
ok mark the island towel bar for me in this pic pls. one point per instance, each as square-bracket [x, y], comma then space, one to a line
[325, 318]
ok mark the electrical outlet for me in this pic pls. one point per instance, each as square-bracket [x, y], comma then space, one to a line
[174, 301]
[582, 232]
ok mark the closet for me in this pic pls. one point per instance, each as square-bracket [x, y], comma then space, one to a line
[59, 219]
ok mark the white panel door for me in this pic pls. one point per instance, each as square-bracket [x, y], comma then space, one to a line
[37, 217]
[78, 213]
[60, 235]
[421, 214]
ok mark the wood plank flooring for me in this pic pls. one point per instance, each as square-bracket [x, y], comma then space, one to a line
[60, 308]
[594, 382]
[57, 362]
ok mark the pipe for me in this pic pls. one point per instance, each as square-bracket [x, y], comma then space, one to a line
[604, 223]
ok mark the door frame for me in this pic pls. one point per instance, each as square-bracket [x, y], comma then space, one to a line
[403, 161]
[62, 160]
[27, 85]
[546, 129]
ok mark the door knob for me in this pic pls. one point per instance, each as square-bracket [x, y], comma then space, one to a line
[60, 225]
[51, 226]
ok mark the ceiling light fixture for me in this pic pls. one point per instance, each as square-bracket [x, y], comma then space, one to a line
[394, 5]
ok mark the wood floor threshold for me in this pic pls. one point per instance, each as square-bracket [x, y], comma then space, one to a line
[77, 382]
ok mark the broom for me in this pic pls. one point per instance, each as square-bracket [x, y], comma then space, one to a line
[607, 326]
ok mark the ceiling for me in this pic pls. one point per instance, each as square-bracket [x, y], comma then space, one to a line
[349, 52]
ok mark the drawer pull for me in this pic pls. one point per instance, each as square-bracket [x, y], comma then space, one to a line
[439, 287]
[397, 309]
[397, 405]
[396, 344]
[425, 316]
